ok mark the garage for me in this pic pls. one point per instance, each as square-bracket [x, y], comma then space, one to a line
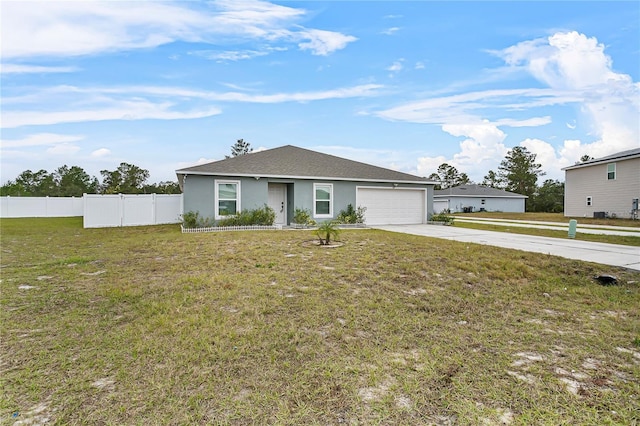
[392, 206]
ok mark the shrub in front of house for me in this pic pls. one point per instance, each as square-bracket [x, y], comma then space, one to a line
[193, 219]
[351, 215]
[263, 216]
[442, 217]
[302, 217]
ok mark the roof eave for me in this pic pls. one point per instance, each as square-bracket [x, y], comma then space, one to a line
[603, 161]
[258, 175]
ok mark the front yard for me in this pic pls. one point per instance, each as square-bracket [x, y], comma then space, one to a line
[150, 326]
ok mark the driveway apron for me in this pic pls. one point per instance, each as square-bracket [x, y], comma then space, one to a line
[606, 254]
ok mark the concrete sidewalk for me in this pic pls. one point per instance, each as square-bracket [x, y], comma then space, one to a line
[607, 254]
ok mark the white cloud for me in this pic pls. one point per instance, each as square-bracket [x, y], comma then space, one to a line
[201, 160]
[428, 165]
[573, 62]
[322, 42]
[419, 65]
[75, 28]
[396, 66]
[32, 69]
[576, 71]
[101, 152]
[40, 139]
[145, 102]
[63, 149]
[390, 31]
[116, 110]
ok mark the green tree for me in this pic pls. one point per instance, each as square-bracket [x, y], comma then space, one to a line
[74, 181]
[585, 158]
[241, 147]
[520, 172]
[12, 189]
[167, 187]
[492, 179]
[448, 176]
[549, 197]
[126, 179]
[35, 184]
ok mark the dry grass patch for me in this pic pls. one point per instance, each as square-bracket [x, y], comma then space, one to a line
[151, 326]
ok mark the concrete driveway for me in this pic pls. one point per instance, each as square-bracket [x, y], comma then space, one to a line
[607, 254]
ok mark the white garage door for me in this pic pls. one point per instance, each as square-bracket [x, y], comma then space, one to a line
[392, 206]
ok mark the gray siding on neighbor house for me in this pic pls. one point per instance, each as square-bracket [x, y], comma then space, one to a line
[199, 193]
[610, 196]
[457, 204]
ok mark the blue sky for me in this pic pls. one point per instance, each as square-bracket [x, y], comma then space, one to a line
[404, 85]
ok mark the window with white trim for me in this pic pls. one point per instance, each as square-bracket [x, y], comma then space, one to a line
[227, 198]
[323, 200]
[611, 171]
[589, 201]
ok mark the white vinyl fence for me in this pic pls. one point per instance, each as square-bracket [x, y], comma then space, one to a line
[41, 206]
[101, 211]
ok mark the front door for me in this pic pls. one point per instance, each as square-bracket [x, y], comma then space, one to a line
[278, 202]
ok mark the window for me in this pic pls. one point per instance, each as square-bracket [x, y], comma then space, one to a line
[227, 198]
[611, 171]
[589, 201]
[322, 200]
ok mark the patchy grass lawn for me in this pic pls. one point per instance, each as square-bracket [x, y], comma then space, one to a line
[151, 326]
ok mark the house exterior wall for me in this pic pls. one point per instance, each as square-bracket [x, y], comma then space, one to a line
[610, 196]
[199, 193]
[492, 204]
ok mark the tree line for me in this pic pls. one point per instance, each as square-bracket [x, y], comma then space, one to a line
[74, 181]
[518, 172]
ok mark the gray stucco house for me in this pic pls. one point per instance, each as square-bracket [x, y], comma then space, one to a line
[474, 198]
[605, 186]
[289, 177]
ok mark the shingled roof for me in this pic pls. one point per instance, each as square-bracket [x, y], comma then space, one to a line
[623, 155]
[292, 162]
[475, 191]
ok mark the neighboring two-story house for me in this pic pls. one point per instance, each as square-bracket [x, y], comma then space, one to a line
[604, 187]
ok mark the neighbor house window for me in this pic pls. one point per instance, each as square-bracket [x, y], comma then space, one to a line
[589, 201]
[323, 200]
[227, 198]
[611, 171]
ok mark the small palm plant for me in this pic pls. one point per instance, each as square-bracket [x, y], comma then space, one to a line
[326, 231]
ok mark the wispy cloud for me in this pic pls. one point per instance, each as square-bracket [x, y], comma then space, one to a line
[133, 109]
[62, 29]
[390, 31]
[40, 139]
[34, 69]
[146, 102]
[236, 55]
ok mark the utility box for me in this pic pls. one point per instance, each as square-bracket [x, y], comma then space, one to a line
[573, 226]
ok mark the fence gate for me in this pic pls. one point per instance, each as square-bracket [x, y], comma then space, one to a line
[101, 211]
